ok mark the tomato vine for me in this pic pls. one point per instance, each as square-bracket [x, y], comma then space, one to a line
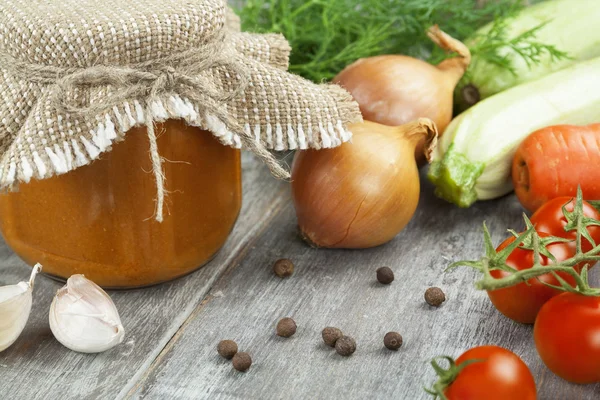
[530, 239]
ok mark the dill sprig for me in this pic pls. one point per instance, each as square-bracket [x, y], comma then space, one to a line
[327, 35]
[492, 46]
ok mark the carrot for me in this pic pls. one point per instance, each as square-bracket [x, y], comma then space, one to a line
[553, 161]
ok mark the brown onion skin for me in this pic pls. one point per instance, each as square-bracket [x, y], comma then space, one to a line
[395, 89]
[360, 194]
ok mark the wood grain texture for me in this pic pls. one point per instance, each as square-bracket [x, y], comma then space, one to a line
[338, 288]
[173, 329]
[38, 367]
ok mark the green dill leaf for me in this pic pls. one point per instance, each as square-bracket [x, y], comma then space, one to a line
[495, 48]
[328, 35]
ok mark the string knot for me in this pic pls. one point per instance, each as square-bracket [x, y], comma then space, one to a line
[165, 80]
[170, 74]
[182, 74]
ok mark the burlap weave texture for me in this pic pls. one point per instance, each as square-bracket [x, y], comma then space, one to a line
[38, 140]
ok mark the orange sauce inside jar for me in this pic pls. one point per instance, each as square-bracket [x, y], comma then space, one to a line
[98, 220]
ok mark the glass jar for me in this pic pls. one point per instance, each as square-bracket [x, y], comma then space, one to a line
[98, 220]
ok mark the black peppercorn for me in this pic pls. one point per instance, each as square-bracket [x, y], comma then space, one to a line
[331, 335]
[283, 268]
[392, 340]
[345, 346]
[227, 348]
[434, 296]
[242, 361]
[286, 327]
[385, 275]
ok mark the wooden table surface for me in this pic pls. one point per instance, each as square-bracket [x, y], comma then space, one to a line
[172, 329]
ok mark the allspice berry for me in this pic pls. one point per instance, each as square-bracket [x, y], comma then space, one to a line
[286, 327]
[242, 361]
[434, 296]
[283, 268]
[392, 340]
[227, 348]
[385, 275]
[331, 335]
[345, 346]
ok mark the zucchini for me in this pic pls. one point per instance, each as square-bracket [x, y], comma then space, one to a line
[571, 26]
[473, 158]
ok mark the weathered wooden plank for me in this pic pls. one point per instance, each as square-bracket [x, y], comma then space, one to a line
[38, 367]
[337, 287]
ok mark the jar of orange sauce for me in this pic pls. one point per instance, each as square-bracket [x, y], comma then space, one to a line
[98, 220]
[81, 188]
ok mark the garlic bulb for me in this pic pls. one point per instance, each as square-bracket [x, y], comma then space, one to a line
[15, 306]
[84, 318]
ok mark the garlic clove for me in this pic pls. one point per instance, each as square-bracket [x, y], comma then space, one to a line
[84, 318]
[15, 307]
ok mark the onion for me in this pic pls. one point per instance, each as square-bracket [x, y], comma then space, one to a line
[364, 192]
[395, 89]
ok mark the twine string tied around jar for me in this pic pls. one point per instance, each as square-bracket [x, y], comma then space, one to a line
[180, 74]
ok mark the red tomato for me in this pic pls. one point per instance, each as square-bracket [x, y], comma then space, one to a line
[500, 375]
[549, 218]
[522, 302]
[567, 337]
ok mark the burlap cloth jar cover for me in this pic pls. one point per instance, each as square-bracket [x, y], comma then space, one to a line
[76, 75]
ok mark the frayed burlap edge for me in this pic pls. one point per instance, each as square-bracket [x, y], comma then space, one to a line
[113, 126]
[82, 141]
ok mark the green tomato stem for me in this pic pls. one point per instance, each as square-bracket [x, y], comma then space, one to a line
[447, 375]
[530, 240]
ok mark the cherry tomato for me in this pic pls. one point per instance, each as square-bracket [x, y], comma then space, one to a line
[567, 337]
[500, 375]
[549, 218]
[522, 302]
